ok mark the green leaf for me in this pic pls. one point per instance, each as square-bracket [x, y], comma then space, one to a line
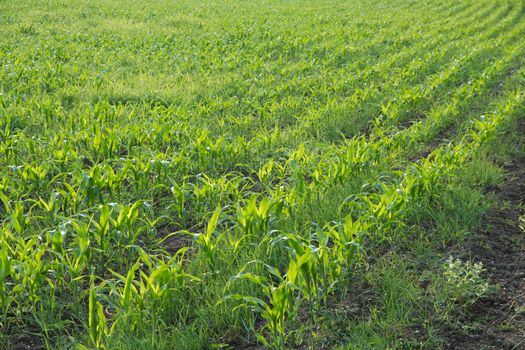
[17, 218]
[92, 315]
[250, 276]
[213, 222]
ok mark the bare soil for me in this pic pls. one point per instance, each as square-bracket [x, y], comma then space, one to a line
[498, 321]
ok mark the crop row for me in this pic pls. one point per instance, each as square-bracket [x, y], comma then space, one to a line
[132, 216]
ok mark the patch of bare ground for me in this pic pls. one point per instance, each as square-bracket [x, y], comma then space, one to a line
[498, 321]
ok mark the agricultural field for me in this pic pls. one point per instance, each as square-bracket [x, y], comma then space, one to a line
[229, 174]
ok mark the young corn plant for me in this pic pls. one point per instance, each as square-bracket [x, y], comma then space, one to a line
[180, 200]
[207, 243]
[99, 330]
[280, 308]
[303, 271]
[255, 219]
[6, 266]
[152, 284]
[347, 239]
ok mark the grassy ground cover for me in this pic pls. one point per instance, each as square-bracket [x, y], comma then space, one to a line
[225, 173]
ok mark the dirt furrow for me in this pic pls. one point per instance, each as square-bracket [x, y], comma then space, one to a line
[498, 321]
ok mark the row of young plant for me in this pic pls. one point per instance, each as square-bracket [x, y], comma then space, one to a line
[79, 236]
[50, 106]
[26, 267]
[108, 179]
[317, 262]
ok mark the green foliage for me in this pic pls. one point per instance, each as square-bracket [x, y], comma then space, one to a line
[191, 174]
[458, 286]
[464, 281]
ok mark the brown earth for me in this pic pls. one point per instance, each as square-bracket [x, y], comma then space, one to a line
[498, 321]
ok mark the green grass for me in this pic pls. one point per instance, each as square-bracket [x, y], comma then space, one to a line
[196, 174]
